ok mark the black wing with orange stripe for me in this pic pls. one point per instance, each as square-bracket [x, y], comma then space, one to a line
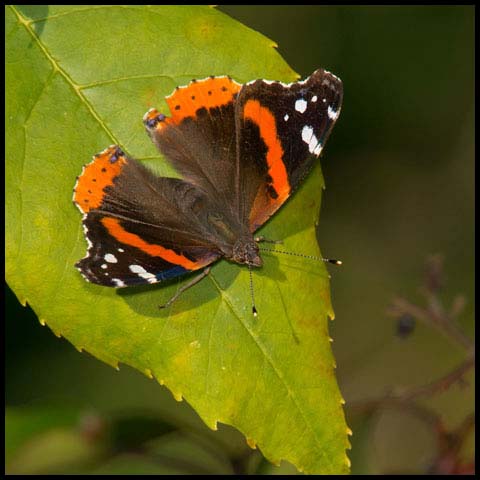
[141, 228]
[282, 129]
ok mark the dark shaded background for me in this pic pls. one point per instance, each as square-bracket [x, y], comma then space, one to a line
[399, 170]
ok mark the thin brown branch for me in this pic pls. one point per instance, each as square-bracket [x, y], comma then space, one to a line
[434, 314]
[434, 317]
[449, 447]
[458, 305]
[370, 406]
[406, 398]
[441, 384]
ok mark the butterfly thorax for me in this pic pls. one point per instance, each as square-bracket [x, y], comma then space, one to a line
[233, 239]
[245, 250]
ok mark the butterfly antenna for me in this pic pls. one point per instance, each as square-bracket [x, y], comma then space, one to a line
[312, 257]
[254, 310]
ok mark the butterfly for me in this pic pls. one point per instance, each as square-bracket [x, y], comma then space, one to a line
[241, 150]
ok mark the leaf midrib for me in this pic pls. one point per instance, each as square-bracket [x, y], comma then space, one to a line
[225, 297]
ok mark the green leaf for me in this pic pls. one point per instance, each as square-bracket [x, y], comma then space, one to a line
[21, 425]
[79, 79]
[45, 440]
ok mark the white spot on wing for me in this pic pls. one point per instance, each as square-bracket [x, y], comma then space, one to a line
[104, 266]
[300, 105]
[314, 146]
[332, 114]
[314, 98]
[141, 272]
[118, 282]
[137, 269]
[286, 117]
[121, 250]
[307, 133]
[110, 258]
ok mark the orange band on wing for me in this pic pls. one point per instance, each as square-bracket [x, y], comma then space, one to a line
[264, 119]
[117, 231]
[209, 93]
[96, 176]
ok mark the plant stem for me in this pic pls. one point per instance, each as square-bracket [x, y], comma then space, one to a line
[441, 384]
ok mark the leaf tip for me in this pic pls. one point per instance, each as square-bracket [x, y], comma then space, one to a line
[23, 301]
[177, 396]
[349, 431]
[342, 401]
[251, 443]
[43, 323]
[347, 461]
[148, 373]
[80, 349]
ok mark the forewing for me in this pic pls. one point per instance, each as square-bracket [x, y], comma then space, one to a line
[282, 129]
[199, 138]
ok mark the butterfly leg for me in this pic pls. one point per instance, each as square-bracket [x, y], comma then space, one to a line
[261, 238]
[191, 283]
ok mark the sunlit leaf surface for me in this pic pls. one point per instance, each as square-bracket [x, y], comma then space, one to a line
[79, 79]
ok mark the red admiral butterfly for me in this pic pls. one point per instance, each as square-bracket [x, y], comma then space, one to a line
[242, 150]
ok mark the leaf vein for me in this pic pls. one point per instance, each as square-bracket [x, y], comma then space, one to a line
[69, 80]
[123, 79]
[278, 373]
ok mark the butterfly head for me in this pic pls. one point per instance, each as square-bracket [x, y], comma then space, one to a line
[246, 251]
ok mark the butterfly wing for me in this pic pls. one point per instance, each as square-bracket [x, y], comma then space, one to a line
[199, 139]
[242, 151]
[281, 130]
[140, 228]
